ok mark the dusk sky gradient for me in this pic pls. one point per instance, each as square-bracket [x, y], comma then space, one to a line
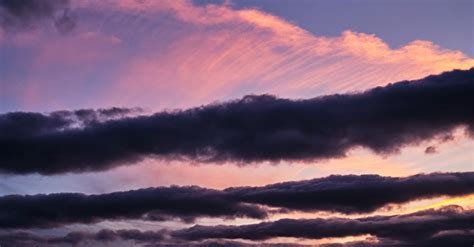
[178, 122]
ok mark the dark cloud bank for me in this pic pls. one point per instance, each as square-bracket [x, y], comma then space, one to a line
[447, 226]
[355, 194]
[347, 194]
[27, 14]
[113, 237]
[252, 129]
[26, 124]
[158, 204]
[407, 228]
[419, 225]
[23, 238]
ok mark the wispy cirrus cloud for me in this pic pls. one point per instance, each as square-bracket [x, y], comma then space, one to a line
[198, 54]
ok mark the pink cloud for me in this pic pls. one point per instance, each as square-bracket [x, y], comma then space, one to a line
[135, 50]
[228, 53]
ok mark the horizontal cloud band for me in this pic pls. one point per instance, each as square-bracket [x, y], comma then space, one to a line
[156, 204]
[252, 129]
[447, 226]
[409, 227]
[23, 238]
[347, 194]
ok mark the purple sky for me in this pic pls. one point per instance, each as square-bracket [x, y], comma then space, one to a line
[173, 55]
[448, 23]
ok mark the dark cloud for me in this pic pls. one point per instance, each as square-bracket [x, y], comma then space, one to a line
[347, 194]
[442, 239]
[448, 238]
[224, 243]
[22, 238]
[430, 150]
[161, 238]
[119, 238]
[21, 125]
[256, 128]
[26, 14]
[447, 226]
[407, 228]
[17, 211]
[355, 194]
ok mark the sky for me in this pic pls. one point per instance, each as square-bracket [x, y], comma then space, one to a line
[192, 123]
[445, 23]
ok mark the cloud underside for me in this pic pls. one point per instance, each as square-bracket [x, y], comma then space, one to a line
[248, 130]
[349, 194]
[450, 224]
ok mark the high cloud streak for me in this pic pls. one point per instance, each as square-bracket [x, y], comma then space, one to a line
[346, 194]
[252, 129]
[168, 54]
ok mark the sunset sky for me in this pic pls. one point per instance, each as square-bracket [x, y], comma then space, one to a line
[236, 123]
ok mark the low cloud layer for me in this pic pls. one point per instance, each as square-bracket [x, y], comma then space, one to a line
[347, 194]
[252, 129]
[442, 239]
[118, 237]
[450, 225]
[355, 194]
[23, 238]
[410, 227]
[27, 124]
[155, 204]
